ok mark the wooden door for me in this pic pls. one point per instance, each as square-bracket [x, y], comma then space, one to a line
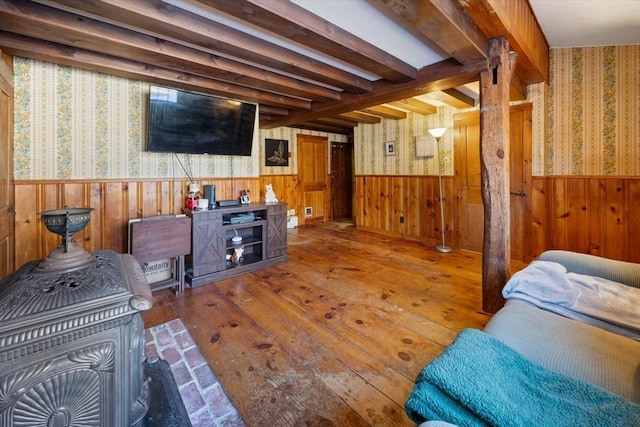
[341, 180]
[312, 170]
[470, 209]
[7, 223]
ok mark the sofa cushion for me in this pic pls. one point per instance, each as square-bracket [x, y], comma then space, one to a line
[567, 346]
[618, 271]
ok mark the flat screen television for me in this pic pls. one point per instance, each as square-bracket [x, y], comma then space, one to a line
[181, 121]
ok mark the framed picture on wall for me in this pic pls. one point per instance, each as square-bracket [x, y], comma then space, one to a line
[276, 152]
[390, 148]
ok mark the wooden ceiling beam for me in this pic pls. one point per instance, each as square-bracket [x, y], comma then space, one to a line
[465, 99]
[361, 117]
[515, 21]
[442, 22]
[386, 112]
[163, 20]
[415, 105]
[65, 28]
[338, 121]
[88, 60]
[322, 127]
[270, 109]
[442, 75]
[295, 23]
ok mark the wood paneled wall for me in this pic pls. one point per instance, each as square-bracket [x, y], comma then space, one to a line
[115, 203]
[594, 215]
[382, 200]
[286, 187]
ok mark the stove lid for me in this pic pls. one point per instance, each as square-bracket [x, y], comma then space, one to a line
[29, 291]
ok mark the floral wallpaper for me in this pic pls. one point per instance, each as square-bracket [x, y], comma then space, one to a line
[370, 158]
[593, 112]
[77, 124]
[370, 154]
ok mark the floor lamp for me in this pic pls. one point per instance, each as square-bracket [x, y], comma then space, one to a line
[437, 134]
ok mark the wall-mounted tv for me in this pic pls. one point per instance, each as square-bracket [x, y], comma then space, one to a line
[180, 121]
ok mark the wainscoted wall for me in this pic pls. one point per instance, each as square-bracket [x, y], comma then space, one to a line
[79, 141]
[382, 200]
[79, 138]
[115, 203]
[595, 215]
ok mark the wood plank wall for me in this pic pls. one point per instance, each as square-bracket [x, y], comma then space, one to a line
[286, 187]
[115, 203]
[381, 200]
[595, 215]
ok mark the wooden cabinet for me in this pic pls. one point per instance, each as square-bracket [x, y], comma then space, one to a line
[262, 227]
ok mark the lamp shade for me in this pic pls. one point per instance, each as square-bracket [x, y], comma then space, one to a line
[437, 132]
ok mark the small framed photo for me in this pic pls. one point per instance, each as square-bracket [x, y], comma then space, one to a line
[390, 148]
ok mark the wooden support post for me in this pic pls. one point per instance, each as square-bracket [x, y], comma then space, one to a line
[494, 160]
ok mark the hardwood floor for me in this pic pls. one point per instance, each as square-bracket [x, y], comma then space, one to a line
[336, 336]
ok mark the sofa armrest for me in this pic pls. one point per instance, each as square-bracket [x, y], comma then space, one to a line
[627, 273]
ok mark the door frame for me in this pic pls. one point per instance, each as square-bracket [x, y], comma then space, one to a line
[330, 165]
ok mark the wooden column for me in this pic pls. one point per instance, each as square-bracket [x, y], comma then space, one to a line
[494, 161]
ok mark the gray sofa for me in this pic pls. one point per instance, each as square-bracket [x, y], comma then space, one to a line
[601, 349]
[571, 347]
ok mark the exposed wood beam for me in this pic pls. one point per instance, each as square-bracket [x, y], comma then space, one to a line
[52, 52]
[361, 117]
[518, 24]
[323, 127]
[386, 112]
[57, 26]
[269, 109]
[338, 121]
[442, 22]
[462, 28]
[442, 75]
[296, 23]
[415, 106]
[164, 20]
[465, 99]
[494, 172]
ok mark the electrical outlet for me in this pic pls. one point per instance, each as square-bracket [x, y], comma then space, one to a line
[401, 219]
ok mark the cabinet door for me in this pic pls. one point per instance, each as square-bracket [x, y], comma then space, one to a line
[208, 248]
[276, 230]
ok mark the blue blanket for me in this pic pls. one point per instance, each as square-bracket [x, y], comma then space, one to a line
[480, 381]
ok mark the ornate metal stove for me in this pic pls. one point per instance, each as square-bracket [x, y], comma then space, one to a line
[72, 341]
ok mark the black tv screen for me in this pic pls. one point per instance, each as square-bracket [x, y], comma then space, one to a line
[180, 121]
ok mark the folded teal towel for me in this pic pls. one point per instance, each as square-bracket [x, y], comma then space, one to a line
[480, 381]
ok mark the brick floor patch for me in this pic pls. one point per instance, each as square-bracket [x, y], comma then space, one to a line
[202, 394]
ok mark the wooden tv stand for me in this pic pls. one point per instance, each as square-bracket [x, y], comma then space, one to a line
[263, 228]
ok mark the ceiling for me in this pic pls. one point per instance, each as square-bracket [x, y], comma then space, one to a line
[315, 64]
[580, 23]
